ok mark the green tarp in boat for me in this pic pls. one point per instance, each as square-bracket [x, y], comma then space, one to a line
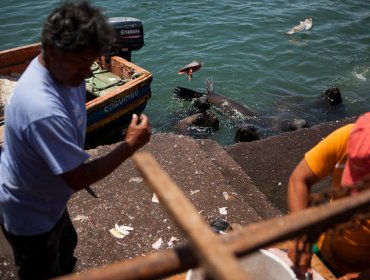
[103, 81]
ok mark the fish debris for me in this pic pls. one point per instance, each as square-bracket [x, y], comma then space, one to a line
[120, 230]
[80, 218]
[136, 179]
[172, 240]
[155, 198]
[194, 192]
[156, 245]
[190, 68]
[222, 210]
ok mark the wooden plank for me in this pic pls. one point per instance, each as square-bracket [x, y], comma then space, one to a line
[1, 135]
[321, 268]
[17, 59]
[19, 54]
[217, 259]
[181, 276]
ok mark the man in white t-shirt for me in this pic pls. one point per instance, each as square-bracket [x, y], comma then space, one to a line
[43, 161]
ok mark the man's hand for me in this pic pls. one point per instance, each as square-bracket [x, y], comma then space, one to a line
[301, 256]
[350, 276]
[139, 132]
[363, 275]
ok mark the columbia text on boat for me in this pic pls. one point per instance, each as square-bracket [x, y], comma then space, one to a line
[120, 101]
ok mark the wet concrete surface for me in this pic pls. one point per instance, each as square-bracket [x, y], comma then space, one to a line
[253, 175]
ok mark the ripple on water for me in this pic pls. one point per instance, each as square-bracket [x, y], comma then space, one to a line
[243, 49]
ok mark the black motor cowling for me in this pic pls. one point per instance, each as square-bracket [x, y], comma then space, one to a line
[129, 36]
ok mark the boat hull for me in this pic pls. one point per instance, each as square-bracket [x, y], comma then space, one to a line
[108, 113]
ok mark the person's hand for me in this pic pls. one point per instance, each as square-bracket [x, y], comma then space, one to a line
[363, 275]
[349, 276]
[301, 257]
[138, 132]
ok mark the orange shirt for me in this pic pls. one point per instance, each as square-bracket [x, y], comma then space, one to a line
[329, 156]
[347, 251]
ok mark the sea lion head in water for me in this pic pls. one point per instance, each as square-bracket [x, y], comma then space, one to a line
[202, 104]
[246, 133]
[202, 119]
[207, 119]
[225, 104]
[298, 124]
[333, 96]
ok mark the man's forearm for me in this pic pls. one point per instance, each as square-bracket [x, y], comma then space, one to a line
[298, 195]
[92, 171]
[101, 167]
[299, 186]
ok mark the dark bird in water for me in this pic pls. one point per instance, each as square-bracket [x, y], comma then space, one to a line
[191, 68]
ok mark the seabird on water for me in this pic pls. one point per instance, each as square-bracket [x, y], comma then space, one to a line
[306, 24]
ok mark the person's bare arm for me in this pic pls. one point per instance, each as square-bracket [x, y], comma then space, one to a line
[138, 135]
[299, 186]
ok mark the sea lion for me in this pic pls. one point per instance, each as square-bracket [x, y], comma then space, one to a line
[286, 125]
[191, 68]
[246, 133]
[333, 96]
[298, 124]
[226, 104]
[202, 104]
[306, 24]
[201, 119]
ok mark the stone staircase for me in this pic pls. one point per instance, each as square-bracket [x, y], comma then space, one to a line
[239, 180]
[248, 180]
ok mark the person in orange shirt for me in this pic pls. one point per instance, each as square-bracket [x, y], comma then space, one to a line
[346, 253]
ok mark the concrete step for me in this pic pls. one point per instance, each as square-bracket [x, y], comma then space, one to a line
[190, 165]
[253, 174]
[269, 162]
[239, 180]
[124, 197]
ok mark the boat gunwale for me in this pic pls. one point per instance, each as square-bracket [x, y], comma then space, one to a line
[29, 52]
[124, 89]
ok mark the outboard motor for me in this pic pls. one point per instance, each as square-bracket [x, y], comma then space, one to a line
[129, 36]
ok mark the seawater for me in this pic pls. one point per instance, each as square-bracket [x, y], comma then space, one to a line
[244, 52]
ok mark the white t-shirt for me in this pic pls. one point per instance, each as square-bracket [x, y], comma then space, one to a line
[45, 126]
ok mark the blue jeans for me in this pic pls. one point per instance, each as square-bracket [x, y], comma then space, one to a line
[46, 255]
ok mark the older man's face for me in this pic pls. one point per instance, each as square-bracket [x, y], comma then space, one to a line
[69, 68]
